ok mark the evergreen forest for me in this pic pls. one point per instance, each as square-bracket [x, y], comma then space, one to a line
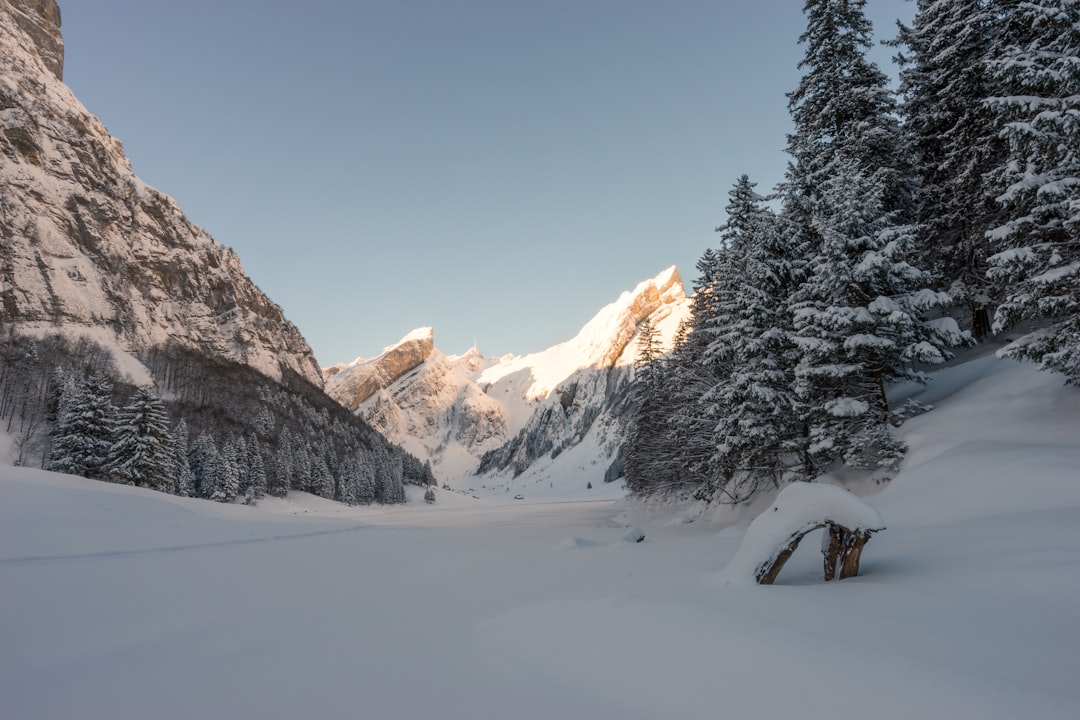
[910, 222]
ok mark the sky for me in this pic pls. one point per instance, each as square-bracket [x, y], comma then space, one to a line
[496, 169]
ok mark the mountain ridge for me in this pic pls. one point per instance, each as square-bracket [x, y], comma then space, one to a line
[506, 416]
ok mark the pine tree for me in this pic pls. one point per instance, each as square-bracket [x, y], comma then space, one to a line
[860, 322]
[86, 420]
[843, 110]
[255, 487]
[141, 453]
[322, 479]
[232, 470]
[389, 485]
[1039, 263]
[645, 427]
[955, 143]
[756, 425]
[365, 479]
[184, 478]
[279, 480]
[206, 466]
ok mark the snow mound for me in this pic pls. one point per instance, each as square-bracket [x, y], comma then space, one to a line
[798, 508]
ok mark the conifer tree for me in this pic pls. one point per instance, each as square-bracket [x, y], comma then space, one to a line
[756, 422]
[1038, 263]
[232, 470]
[206, 466]
[955, 142]
[141, 453]
[322, 479]
[84, 432]
[255, 487]
[843, 110]
[860, 322]
[653, 459]
[184, 478]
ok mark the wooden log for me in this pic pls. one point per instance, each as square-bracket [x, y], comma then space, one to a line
[854, 545]
[766, 574]
[834, 550]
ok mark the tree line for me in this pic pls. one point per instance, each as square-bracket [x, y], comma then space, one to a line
[902, 218]
[209, 428]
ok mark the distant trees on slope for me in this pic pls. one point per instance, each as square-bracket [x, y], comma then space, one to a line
[224, 433]
[963, 193]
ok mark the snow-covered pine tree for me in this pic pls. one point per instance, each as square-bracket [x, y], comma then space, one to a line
[646, 431]
[842, 107]
[955, 143]
[1038, 264]
[206, 465]
[322, 479]
[184, 478]
[756, 418]
[232, 471]
[255, 488]
[141, 453]
[366, 485]
[860, 322]
[279, 479]
[706, 266]
[302, 469]
[389, 481]
[86, 419]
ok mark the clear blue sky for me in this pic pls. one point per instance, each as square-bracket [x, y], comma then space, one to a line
[498, 169]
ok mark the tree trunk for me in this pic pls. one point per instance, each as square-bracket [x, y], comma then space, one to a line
[766, 573]
[853, 547]
[832, 553]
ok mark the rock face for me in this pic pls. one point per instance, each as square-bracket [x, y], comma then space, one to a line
[86, 246]
[352, 384]
[513, 419]
[40, 21]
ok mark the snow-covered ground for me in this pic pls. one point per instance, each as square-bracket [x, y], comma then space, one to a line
[122, 603]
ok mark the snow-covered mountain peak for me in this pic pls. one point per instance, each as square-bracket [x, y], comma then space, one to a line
[354, 383]
[454, 410]
[603, 341]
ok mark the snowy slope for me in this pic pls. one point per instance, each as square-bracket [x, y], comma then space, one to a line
[120, 603]
[525, 410]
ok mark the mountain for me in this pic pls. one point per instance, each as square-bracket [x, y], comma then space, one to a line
[524, 423]
[104, 277]
[88, 248]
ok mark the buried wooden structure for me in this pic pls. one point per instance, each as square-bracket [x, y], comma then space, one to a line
[842, 552]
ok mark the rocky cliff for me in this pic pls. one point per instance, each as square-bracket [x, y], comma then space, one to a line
[354, 383]
[85, 246]
[517, 421]
[39, 20]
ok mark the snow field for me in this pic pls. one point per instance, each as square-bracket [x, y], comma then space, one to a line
[124, 603]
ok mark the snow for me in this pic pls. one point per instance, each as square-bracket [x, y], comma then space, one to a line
[123, 603]
[607, 332]
[451, 410]
[797, 508]
[847, 407]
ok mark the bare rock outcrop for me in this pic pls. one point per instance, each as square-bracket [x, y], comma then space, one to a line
[40, 21]
[352, 384]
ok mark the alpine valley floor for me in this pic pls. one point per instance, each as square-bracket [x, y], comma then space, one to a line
[124, 603]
